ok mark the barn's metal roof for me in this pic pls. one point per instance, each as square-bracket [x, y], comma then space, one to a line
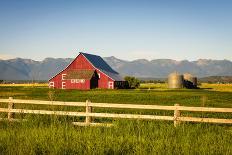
[100, 64]
[114, 76]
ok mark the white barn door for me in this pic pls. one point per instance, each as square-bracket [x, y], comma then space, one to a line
[111, 85]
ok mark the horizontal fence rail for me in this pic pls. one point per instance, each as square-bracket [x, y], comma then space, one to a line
[123, 106]
[89, 114]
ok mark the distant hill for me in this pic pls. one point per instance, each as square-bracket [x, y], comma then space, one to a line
[27, 69]
[208, 79]
[160, 68]
[217, 79]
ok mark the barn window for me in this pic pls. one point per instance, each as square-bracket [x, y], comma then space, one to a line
[99, 75]
[63, 85]
[77, 80]
[51, 84]
[111, 85]
[73, 80]
[63, 76]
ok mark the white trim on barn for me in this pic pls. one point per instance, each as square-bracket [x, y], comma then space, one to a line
[51, 84]
[111, 85]
[63, 84]
[63, 76]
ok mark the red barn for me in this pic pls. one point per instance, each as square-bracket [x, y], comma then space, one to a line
[87, 71]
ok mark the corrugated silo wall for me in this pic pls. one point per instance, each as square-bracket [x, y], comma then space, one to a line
[175, 80]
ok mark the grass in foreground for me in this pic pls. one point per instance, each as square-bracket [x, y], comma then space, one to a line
[53, 136]
[56, 135]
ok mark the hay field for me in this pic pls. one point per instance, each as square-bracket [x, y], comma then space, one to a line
[204, 86]
[25, 85]
[217, 87]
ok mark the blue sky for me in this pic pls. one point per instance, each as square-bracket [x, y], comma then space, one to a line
[128, 30]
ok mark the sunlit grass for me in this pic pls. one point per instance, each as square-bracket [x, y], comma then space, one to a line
[160, 86]
[205, 86]
[217, 87]
[56, 135]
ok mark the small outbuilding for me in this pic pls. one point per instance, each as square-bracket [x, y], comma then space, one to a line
[87, 71]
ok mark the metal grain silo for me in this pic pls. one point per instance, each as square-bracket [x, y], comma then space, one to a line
[175, 80]
[194, 81]
[190, 79]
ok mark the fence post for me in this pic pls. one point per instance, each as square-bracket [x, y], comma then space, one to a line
[10, 107]
[88, 119]
[176, 115]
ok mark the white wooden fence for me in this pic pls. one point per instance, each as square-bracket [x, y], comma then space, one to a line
[177, 118]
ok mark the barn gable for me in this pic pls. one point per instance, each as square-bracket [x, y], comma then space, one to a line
[100, 64]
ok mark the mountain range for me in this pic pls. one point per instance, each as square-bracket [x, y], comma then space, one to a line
[27, 69]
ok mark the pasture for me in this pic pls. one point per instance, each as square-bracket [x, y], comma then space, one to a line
[56, 135]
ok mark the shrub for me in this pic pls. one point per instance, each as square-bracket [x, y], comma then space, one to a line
[132, 82]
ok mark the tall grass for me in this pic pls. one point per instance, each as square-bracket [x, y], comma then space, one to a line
[56, 135]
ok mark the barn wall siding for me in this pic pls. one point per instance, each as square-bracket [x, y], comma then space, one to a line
[81, 63]
[68, 85]
[85, 85]
[104, 80]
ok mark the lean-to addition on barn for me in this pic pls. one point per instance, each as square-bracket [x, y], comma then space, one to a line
[87, 71]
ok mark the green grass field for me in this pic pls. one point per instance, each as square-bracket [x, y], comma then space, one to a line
[55, 135]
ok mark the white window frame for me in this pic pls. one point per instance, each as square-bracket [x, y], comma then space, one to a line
[63, 76]
[51, 84]
[99, 75]
[111, 85]
[63, 85]
[73, 81]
